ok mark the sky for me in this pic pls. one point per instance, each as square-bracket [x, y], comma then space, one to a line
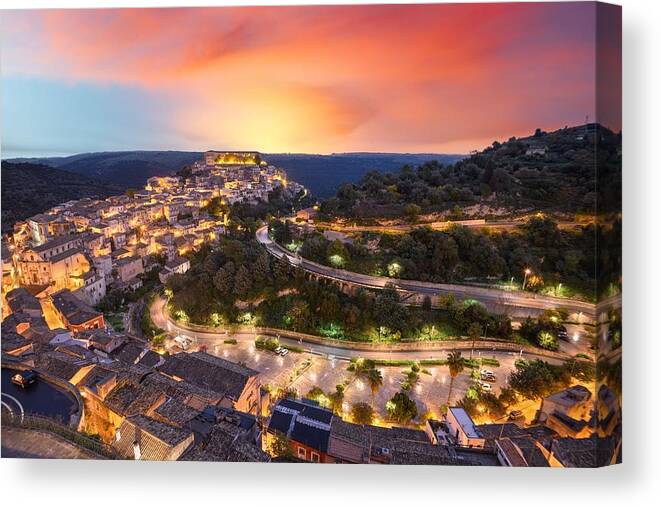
[393, 78]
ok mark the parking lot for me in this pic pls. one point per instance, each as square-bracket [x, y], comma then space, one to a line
[303, 371]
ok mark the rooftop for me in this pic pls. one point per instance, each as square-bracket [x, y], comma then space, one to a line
[55, 242]
[465, 421]
[302, 422]
[570, 396]
[209, 372]
[155, 439]
[74, 310]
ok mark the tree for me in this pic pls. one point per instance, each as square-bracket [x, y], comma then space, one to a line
[401, 408]
[362, 413]
[242, 282]
[280, 446]
[281, 232]
[536, 379]
[412, 211]
[337, 253]
[223, 280]
[388, 311]
[456, 364]
[375, 381]
[316, 394]
[262, 267]
[336, 399]
[299, 316]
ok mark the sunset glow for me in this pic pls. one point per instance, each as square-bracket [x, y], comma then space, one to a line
[432, 78]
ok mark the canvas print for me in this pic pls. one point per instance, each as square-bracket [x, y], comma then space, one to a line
[368, 234]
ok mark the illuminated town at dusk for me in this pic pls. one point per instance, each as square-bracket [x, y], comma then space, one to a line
[384, 234]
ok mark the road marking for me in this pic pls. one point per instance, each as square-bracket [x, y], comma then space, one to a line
[18, 403]
[6, 405]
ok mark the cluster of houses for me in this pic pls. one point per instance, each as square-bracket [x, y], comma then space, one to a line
[88, 246]
[142, 404]
[196, 406]
[572, 430]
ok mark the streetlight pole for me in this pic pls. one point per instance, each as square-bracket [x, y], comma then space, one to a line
[525, 278]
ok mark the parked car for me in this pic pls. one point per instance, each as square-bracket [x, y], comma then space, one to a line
[562, 334]
[485, 386]
[183, 341]
[488, 377]
[24, 378]
[515, 414]
[281, 351]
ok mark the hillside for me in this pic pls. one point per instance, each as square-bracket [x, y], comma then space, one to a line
[28, 189]
[553, 171]
[322, 174]
[127, 168]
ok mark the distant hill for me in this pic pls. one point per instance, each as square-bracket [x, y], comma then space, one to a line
[322, 174]
[551, 171]
[28, 189]
[127, 168]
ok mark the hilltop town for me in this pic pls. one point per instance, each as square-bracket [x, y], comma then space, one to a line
[187, 397]
[88, 246]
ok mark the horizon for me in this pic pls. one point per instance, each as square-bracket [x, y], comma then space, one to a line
[304, 79]
[327, 154]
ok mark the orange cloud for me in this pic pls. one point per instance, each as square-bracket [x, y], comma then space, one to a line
[330, 78]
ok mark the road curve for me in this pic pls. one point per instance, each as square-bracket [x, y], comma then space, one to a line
[429, 350]
[437, 226]
[519, 300]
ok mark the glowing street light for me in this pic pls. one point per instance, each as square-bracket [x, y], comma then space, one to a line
[526, 272]
[394, 269]
[336, 260]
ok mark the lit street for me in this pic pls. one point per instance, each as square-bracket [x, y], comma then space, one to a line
[326, 366]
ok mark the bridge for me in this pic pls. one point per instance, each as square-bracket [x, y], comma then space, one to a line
[515, 303]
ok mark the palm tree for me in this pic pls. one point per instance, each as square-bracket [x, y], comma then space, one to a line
[474, 332]
[456, 365]
[337, 398]
[375, 380]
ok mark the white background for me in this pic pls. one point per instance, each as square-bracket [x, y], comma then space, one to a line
[636, 482]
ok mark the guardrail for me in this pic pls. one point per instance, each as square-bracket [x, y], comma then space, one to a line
[41, 423]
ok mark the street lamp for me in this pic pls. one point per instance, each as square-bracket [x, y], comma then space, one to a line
[526, 272]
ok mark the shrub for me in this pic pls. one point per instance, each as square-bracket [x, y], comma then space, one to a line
[266, 343]
[401, 408]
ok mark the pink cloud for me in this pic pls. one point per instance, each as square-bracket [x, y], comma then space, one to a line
[335, 77]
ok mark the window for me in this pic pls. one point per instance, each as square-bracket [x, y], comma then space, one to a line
[301, 452]
[314, 457]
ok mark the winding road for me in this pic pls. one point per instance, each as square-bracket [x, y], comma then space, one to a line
[427, 350]
[518, 304]
[437, 226]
